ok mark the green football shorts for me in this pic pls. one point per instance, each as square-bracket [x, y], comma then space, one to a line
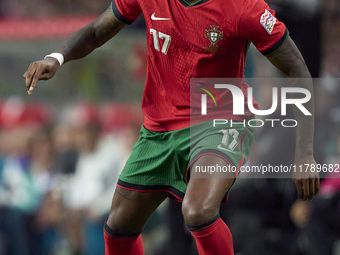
[160, 161]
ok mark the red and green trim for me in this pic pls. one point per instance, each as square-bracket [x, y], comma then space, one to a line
[173, 192]
[118, 15]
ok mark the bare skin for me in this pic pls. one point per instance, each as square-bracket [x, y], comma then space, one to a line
[130, 209]
[203, 196]
[289, 60]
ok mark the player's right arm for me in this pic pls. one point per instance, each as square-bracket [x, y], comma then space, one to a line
[76, 46]
[271, 38]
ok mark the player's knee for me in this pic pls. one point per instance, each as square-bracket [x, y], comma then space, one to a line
[119, 219]
[121, 225]
[197, 213]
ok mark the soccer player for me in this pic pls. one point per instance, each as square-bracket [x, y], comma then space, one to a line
[188, 39]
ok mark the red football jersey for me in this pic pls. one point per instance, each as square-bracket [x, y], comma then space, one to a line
[209, 39]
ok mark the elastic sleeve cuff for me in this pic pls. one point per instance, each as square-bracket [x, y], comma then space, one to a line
[276, 45]
[118, 15]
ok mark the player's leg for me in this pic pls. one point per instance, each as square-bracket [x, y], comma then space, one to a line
[201, 209]
[136, 198]
[129, 212]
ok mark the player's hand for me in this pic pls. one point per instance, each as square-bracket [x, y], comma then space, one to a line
[306, 179]
[40, 70]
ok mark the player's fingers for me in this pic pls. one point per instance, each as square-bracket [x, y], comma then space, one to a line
[35, 79]
[29, 75]
[311, 189]
[298, 184]
[305, 188]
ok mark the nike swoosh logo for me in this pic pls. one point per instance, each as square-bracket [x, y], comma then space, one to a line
[156, 18]
[221, 148]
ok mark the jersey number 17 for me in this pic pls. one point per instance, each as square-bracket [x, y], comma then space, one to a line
[159, 35]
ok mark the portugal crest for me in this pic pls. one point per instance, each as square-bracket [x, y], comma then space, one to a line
[214, 35]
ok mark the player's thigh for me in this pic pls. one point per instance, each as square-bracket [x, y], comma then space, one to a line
[203, 195]
[131, 209]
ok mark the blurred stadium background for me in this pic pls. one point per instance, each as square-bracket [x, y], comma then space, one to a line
[62, 149]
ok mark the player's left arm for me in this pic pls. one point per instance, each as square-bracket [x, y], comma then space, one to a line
[289, 60]
[78, 45]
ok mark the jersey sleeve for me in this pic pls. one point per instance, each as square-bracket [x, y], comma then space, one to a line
[259, 24]
[126, 11]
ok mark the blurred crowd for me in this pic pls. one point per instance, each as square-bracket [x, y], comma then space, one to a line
[57, 176]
